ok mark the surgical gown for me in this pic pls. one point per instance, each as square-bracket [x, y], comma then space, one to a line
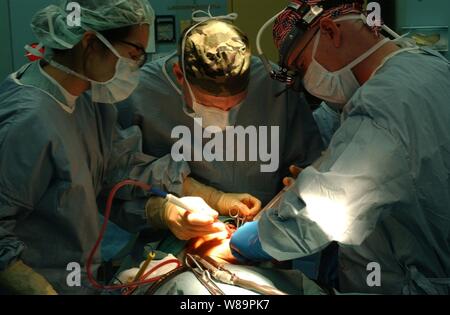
[328, 121]
[157, 107]
[383, 192]
[55, 160]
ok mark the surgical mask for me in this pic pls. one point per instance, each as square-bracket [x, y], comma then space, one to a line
[335, 87]
[212, 116]
[119, 87]
[122, 84]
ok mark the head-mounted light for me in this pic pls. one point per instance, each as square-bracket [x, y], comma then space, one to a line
[309, 14]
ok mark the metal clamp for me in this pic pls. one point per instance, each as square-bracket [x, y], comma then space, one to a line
[220, 273]
[203, 275]
[240, 220]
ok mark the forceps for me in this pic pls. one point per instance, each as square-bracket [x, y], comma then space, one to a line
[203, 275]
[240, 220]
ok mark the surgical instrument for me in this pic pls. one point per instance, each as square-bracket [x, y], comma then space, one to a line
[220, 273]
[203, 275]
[273, 202]
[240, 220]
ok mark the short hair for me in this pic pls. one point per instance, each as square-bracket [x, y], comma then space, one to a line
[217, 57]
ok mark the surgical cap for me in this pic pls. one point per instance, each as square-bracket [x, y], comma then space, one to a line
[289, 19]
[217, 57]
[51, 28]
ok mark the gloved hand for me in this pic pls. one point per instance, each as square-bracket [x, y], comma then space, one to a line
[295, 171]
[217, 249]
[19, 279]
[247, 205]
[246, 246]
[183, 224]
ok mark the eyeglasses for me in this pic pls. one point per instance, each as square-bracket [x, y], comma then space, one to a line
[301, 52]
[142, 60]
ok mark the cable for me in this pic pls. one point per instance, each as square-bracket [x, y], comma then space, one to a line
[91, 278]
[170, 261]
[165, 278]
[259, 50]
[164, 263]
[262, 30]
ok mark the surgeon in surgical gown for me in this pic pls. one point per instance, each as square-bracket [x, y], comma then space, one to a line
[58, 152]
[250, 98]
[382, 191]
[236, 88]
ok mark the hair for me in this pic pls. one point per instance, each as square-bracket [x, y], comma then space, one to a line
[113, 36]
[216, 60]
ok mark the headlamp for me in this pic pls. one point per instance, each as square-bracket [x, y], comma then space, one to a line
[309, 14]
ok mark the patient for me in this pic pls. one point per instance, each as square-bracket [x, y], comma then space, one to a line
[215, 246]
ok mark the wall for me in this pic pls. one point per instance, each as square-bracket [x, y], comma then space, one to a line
[423, 13]
[6, 65]
[252, 15]
[167, 7]
[21, 12]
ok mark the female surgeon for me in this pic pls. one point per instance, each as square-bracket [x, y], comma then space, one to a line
[60, 148]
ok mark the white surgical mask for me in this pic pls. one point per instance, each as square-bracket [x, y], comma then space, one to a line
[339, 86]
[123, 83]
[212, 116]
[119, 87]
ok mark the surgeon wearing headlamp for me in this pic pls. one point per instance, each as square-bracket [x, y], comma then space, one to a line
[381, 191]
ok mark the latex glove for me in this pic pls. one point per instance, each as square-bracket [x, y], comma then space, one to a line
[22, 280]
[295, 172]
[246, 246]
[247, 205]
[216, 248]
[183, 224]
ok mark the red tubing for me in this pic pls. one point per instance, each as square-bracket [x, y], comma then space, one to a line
[91, 278]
